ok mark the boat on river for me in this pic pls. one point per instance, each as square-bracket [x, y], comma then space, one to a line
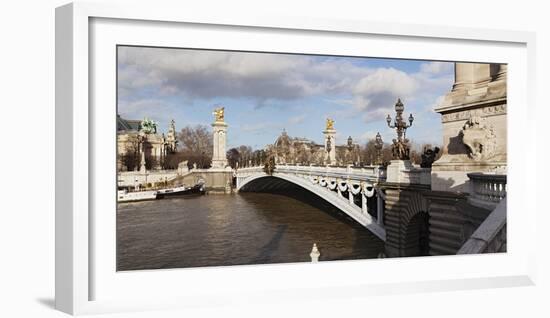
[181, 191]
[125, 196]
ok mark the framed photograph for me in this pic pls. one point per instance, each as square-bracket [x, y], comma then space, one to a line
[271, 158]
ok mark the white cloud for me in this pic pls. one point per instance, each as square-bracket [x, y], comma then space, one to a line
[208, 74]
[266, 79]
[376, 93]
[436, 67]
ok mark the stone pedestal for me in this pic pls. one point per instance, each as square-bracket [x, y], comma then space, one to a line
[330, 146]
[473, 115]
[397, 171]
[142, 168]
[219, 159]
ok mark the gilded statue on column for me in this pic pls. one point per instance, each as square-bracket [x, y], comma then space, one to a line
[330, 124]
[218, 114]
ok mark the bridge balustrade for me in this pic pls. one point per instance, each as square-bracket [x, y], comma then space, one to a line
[487, 189]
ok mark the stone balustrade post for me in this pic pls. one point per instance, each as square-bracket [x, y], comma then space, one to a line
[314, 254]
[363, 203]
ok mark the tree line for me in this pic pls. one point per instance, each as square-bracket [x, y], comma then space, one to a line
[195, 145]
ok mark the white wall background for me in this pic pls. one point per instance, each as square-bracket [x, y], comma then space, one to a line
[27, 123]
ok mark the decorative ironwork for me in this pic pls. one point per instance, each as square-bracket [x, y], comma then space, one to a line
[400, 147]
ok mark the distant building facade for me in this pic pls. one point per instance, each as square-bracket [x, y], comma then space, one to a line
[140, 146]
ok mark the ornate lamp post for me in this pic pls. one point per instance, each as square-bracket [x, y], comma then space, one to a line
[378, 145]
[141, 138]
[400, 147]
[350, 143]
[349, 155]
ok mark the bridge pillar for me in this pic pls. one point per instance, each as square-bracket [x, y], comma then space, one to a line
[219, 159]
[330, 145]
[379, 208]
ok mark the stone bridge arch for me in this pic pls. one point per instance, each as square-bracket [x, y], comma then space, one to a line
[407, 223]
[264, 182]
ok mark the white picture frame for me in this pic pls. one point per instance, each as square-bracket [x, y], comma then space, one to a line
[77, 259]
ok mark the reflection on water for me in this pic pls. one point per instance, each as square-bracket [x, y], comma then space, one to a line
[245, 228]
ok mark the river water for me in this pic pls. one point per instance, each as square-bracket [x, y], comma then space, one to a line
[244, 228]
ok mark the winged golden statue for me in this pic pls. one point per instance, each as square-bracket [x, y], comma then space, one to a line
[330, 124]
[218, 114]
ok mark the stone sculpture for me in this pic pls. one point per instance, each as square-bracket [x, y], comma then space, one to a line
[219, 114]
[329, 124]
[428, 157]
[479, 138]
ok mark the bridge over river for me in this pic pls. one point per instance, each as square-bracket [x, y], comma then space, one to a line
[395, 203]
[354, 191]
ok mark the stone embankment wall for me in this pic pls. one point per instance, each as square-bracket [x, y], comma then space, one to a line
[214, 180]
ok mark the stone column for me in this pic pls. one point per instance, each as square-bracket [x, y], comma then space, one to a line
[219, 159]
[330, 146]
[502, 72]
[463, 76]
[482, 74]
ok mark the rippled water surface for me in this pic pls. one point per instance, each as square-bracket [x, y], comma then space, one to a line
[245, 228]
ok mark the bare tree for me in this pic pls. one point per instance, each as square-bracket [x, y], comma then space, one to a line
[130, 158]
[303, 155]
[233, 157]
[245, 154]
[369, 153]
[196, 145]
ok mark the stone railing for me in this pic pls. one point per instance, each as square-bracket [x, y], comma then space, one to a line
[490, 236]
[369, 173]
[487, 189]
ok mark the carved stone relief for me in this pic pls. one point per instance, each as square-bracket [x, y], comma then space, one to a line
[479, 138]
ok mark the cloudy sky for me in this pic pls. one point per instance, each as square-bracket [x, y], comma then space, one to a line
[263, 93]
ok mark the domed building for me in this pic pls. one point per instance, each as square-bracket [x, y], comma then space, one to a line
[297, 150]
